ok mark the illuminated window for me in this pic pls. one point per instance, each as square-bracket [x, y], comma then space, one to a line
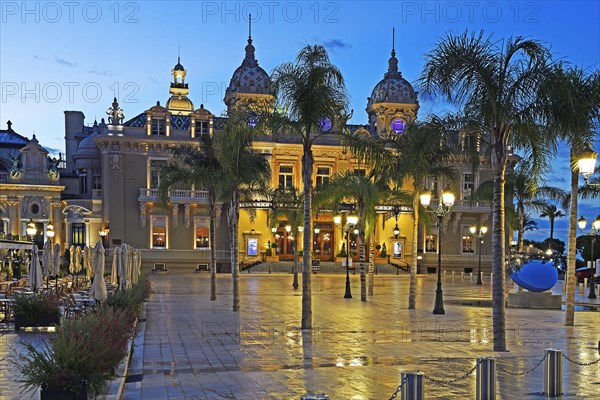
[78, 234]
[286, 177]
[323, 174]
[467, 241]
[202, 127]
[431, 244]
[201, 230]
[155, 166]
[398, 126]
[468, 185]
[159, 232]
[433, 186]
[159, 126]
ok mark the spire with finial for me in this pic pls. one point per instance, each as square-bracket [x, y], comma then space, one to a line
[250, 59]
[393, 61]
[249, 28]
[9, 124]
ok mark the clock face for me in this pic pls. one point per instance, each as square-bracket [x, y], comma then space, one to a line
[325, 124]
[252, 120]
[398, 126]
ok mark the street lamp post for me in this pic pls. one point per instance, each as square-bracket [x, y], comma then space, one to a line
[351, 222]
[31, 229]
[444, 206]
[479, 235]
[593, 234]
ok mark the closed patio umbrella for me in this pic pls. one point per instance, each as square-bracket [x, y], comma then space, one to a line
[72, 259]
[87, 261]
[98, 290]
[56, 264]
[123, 276]
[114, 275]
[78, 255]
[47, 260]
[35, 270]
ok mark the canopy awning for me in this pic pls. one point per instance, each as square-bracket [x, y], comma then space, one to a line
[15, 245]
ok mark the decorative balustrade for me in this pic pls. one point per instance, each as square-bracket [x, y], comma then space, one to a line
[176, 194]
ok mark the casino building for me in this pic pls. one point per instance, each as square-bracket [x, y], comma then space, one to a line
[107, 187]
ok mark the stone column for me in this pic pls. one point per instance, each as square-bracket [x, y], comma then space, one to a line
[57, 221]
[13, 214]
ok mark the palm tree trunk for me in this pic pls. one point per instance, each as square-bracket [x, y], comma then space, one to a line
[233, 219]
[498, 266]
[295, 244]
[211, 238]
[551, 233]
[307, 166]
[521, 229]
[371, 275]
[570, 275]
[412, 290]
[363, 275]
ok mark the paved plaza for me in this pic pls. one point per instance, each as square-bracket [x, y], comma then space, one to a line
[197, 349]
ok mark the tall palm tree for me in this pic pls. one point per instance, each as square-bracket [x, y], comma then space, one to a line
[572, 103]
[366, 191]
[527, 195]
[551, 212]
[196, 166]
[246, 173]
[421, 152]
[496, 83]
[310, 90]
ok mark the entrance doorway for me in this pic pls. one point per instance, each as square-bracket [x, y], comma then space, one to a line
[323, 242]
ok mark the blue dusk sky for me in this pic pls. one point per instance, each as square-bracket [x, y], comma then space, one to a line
[57, 56]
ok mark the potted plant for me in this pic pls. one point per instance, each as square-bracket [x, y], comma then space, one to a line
[273, 257]
[36, 310]
[80, 357]
[83, 354]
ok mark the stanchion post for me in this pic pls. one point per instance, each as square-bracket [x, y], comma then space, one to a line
[414, 386]
[486, 378]
[553, 373]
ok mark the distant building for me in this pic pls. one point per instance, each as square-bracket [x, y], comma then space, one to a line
[106, 189]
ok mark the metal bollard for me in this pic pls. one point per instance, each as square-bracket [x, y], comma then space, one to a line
[471, 276]
[486, 378]
[553, 373]
[462, 275]
[453, 274]
[414, 386]
[444, 273]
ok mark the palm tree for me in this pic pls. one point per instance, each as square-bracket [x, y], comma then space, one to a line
[287, 204]
[245, 172]
[572, 103]
[422, 152]
[196, 166]
[366, 191]
[496, 83]
[551, 212]
[523, 186]
[310, 91]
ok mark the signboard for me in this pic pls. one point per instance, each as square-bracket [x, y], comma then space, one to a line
[252, 246]
[397, 249]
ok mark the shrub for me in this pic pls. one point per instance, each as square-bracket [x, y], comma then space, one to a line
[32, 306]
[83, 353]
[130, 299]
[383, 253]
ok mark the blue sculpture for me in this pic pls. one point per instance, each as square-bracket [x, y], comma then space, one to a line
[536, 276]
